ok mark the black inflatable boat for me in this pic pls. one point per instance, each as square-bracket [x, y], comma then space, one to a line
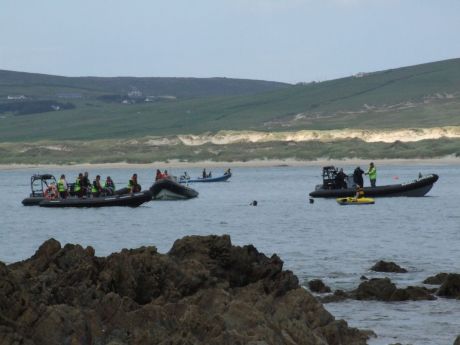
[131, 200]
[416, 188]
[168, 189]
[40, 183]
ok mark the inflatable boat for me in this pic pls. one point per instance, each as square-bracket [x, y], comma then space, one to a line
[416, 188]
[168, 189]
[222, 178]
[131, 200]
[354, 201]
[39, 185]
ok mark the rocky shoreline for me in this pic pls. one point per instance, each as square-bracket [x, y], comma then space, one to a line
[203, 291]
[383, 289]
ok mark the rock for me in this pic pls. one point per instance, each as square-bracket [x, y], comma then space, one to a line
[412, 293]
[377, 288]
[204, 291]
[438, 279]
[317, 285]
[382, 289]
[450, 287]
[384, 266]
[337, 296]
[363, 278]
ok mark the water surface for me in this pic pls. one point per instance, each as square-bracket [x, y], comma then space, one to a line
[322, 240]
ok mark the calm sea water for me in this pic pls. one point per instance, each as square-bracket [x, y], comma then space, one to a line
[322, 240]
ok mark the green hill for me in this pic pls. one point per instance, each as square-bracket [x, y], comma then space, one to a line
[43, 86]
[426, 95]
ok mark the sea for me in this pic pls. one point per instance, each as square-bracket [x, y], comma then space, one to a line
[324, 240]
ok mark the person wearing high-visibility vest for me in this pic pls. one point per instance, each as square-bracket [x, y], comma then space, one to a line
[372, 172]
[96, 187]
[77, 186]
[62, 187]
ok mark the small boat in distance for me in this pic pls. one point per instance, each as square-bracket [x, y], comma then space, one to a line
[416, 188]
[222, 178]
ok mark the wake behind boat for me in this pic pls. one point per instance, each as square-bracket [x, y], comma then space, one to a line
[416, 188]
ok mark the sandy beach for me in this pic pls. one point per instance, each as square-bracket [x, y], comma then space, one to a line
[450, 160]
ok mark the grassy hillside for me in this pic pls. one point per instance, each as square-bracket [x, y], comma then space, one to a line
[43, 86]
[425, 95]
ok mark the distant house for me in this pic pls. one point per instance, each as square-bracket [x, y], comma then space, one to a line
[360, 75]
[16, 98]
[135, 94]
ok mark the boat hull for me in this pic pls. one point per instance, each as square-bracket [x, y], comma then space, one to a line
[133, 200]
[222, 178]
[417, 188]
[166, 189]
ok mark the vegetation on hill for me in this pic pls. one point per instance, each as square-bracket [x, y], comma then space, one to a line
[426, 95]
[98, 117]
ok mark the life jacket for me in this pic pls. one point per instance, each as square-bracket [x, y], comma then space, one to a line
[109, 185]
[372, 173]
[77, 186]
[94, 187]
[61, 186]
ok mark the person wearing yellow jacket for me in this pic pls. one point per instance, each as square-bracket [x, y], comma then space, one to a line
[372, 172]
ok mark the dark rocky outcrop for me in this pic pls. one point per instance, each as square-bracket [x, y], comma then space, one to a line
[384, 266]
[318, 286]
[204, 291]
[450, 288]
[382, 289]
[438, 279]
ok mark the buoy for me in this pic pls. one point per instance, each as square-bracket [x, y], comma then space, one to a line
[254, 203]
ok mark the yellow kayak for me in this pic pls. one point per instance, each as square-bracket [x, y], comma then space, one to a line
[354, 201]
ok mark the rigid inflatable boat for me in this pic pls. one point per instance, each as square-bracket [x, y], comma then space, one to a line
[40, 184]
[416, 188]
[168, 189]
[131, 200]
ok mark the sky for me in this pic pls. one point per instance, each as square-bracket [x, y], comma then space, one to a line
[281, 40]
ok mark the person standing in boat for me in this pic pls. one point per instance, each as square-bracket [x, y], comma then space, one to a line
[204, 173]
[62, 187]
[372, 172]
[85, 183]
[77, 187]
[340, 179]
[358, 177]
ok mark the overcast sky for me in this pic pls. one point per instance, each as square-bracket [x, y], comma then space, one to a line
[283, 40]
